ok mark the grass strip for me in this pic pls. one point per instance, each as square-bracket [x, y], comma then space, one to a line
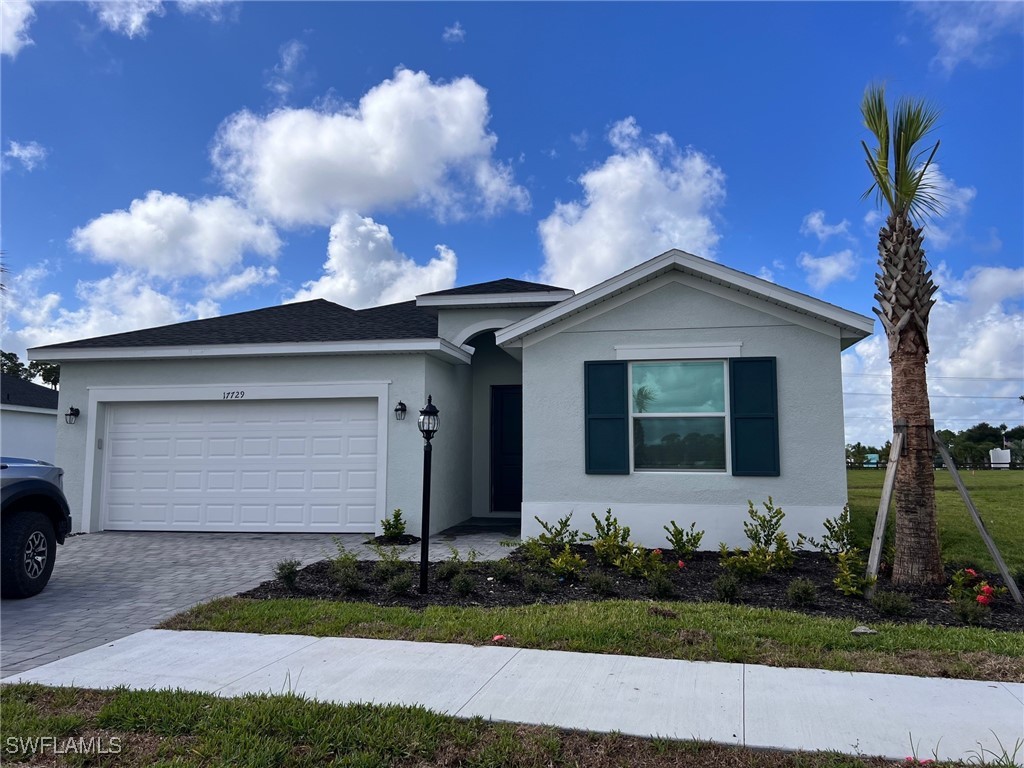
[195, 729]
[670, 630]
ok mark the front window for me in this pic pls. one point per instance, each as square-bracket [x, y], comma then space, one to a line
[678, 414]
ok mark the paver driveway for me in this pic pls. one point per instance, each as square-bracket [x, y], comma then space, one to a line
[111, 584]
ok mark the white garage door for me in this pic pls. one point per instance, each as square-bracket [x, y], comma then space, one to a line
[280, 465]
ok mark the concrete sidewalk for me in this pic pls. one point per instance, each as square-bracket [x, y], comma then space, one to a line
[793, 709]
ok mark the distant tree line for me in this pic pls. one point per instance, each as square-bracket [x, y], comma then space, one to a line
[49, 373]
[969, 447]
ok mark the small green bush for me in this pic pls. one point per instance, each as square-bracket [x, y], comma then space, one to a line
[389, 565]
[504, 570]
[801, 592]
[345, 569]
[727, 588]
[769, 549]
[850, 578]
[287, 571]
[463, 585]
[393, 526]
[448, 570]
[601, 584]
[557, 535]
[641, 563]
[399, 584]
[891, 603]
[538, 584]
[567, 564]
[660, 585]
[611, 540]
[971, 612]
[683, 541]
[839, 535]
[534, 553]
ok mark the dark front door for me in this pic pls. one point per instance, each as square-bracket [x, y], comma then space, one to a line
[506, 448]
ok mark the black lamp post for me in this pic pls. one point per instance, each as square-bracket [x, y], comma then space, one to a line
[428, 423]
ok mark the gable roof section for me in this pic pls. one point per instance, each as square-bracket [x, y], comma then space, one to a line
[505, 285]
[17, 391]
[853, 327]
[495, 293]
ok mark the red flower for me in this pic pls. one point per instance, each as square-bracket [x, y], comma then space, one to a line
[971, 572]
[657, 552]
[498, 639]
[987, 590]
[984, 599]
[682, 564]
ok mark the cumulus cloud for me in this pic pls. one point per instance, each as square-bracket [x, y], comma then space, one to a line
[646, 198]
[970, 32]
[127, 17]
[454, 34]
[822, 271]
[364, 268]
[31, 155]
[580, 140]
[214, 10]
[286, 75]
[408, 141]
[976, 335]
[240, 282]
[814, 225]
[166, 235]
[15, 18]
[948, 228]
[121, 302]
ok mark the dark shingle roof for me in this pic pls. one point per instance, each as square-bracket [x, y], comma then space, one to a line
[20, 392]
[317, 320]
[505, 285]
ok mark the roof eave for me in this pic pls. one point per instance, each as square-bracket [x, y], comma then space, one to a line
[467, 301]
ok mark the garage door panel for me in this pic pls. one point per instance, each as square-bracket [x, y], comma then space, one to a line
[254, 466]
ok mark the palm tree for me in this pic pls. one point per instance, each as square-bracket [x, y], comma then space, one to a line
[904, 190]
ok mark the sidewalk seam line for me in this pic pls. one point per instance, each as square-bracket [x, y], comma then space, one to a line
[487, 682]
[269, 663]
[743, 704]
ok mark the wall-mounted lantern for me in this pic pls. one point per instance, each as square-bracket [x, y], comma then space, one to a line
[400, 410]
[72, 415]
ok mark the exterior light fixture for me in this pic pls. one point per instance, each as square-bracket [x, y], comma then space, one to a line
[400, 410]
[428, 423]
[72, 415]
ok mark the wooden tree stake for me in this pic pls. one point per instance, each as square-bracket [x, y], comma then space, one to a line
[875, 557]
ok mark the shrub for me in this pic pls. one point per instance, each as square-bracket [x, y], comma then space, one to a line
[769, 549]
[345, 569]
[538, 584]
[399, 584]
[601, 583]
[534, 553]
[611, 540]
[727, 588]
[971, 612]
[850, 578]
[801, 592]
[448, 570]
[287, 571]
[660, 585]
[503, 570]
[462, 584]
[389, 565]
[891, 603]
[968, 585]
[567, 564]
[839, 535]
[393, 526]
[683, 541]
[557, 535]
[640, 562]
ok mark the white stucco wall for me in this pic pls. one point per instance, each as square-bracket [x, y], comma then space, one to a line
[673, 310]
[403, 378]
[460, 325]
[28, 433]
[450, 479]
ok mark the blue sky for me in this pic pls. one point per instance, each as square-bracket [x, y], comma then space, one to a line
[168, 161]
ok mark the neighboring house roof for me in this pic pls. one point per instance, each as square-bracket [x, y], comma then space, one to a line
[852, 326]
[505, 285]
[495, 293]
[17, 391]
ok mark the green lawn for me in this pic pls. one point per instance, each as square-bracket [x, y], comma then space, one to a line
[998, 496]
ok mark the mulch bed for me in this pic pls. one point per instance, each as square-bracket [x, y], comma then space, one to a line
[494, 585]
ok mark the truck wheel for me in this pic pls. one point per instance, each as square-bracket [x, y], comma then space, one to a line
[27, 550]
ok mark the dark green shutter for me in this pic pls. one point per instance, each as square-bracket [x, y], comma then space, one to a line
[606, 417]
[755, 416]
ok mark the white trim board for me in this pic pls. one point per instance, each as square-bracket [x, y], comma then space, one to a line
[470, 300]
[696, 351]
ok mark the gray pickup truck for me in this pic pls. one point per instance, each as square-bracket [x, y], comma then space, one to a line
[35, 519]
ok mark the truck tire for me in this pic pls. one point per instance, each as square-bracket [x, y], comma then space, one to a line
[28, 549]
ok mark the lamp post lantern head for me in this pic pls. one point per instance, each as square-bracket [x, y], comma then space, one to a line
[428, 421]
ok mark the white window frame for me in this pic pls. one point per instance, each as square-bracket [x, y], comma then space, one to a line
[725, 415]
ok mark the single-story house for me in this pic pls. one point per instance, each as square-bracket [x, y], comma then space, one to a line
[28, 419]
[676, 390]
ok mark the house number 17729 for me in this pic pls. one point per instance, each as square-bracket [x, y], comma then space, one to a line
[234, 395]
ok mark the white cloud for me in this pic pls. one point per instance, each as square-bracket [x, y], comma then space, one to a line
[454, 33]
[822, 271]
[241, 282]
[580, 139]
[969, 32]
[947, 228]
[31, 155]
[127, 17]
[409, 141]
[766, 274]
[364, 269]
[121, 302]
[214, 10]
[873, 220]
[976, 335]
[285, 75]
[15, 18]
[646, 198]
[168, 236]
[814, 224]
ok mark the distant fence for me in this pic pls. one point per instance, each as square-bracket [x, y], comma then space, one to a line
[940, 465]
